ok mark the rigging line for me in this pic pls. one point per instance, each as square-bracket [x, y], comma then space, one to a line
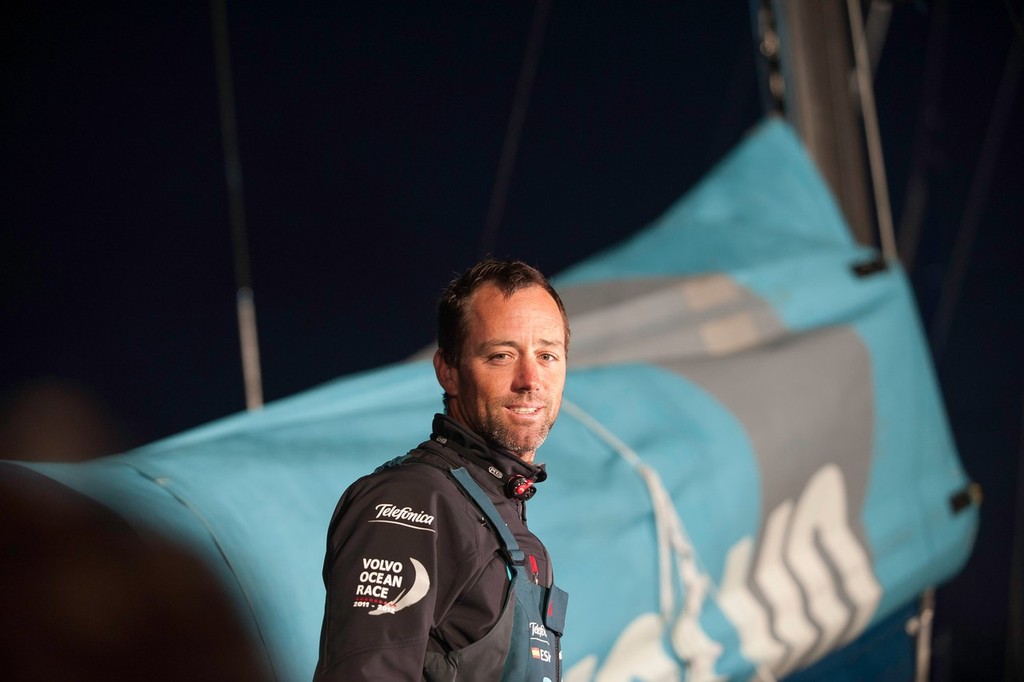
[1014, 19]
[869, 115]
[166, 483]
[915, 197]
[669, 529]
[513, 134]
[970, 223]
[924, 623]
[876, 28]
[245, 304]
[1015, 636]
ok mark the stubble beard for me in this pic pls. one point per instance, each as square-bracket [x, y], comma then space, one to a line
[512, 439]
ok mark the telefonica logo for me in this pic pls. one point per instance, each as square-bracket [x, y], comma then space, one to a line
[403, 516]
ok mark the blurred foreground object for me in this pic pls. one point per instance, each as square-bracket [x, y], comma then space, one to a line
[86, 597]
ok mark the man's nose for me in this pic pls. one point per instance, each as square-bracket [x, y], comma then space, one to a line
[527, 376]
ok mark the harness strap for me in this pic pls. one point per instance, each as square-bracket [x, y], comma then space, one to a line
[478, 496]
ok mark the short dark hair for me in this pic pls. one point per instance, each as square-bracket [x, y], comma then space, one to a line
[509, 276]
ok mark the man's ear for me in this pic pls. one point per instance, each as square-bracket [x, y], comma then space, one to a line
[447, 375]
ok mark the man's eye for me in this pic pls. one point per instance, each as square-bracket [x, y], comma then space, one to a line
[548, 357]
[501, 356]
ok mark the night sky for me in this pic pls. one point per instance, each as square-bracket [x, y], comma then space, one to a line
[370, 137]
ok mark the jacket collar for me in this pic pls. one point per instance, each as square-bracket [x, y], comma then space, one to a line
[500, 464]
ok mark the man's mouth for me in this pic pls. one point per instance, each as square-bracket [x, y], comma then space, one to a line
[524, 410]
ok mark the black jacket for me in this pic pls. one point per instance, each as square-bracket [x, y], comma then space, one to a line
[412, 566]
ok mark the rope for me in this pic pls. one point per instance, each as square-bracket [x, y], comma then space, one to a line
[166, 484]
[510, 148]
[915, 196]
[977, 197]
[236, 208]
[672, 538]
[923, 622]
[871, 132]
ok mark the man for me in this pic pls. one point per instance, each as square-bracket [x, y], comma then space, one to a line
[431, 572]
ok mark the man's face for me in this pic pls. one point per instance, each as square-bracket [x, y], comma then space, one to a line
[508, 385]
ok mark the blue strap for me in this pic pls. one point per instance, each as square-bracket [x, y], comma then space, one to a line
[473, 489]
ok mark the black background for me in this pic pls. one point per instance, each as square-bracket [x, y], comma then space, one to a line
[370, 136]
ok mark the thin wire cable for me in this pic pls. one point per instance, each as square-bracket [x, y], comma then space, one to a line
[876, 28]
[245, 304]
[873, 138]
[1015, 636]
[915, 197]
[513, 134]
[924, 621]
[167, 485]
[1014, 19]
[970, 223]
